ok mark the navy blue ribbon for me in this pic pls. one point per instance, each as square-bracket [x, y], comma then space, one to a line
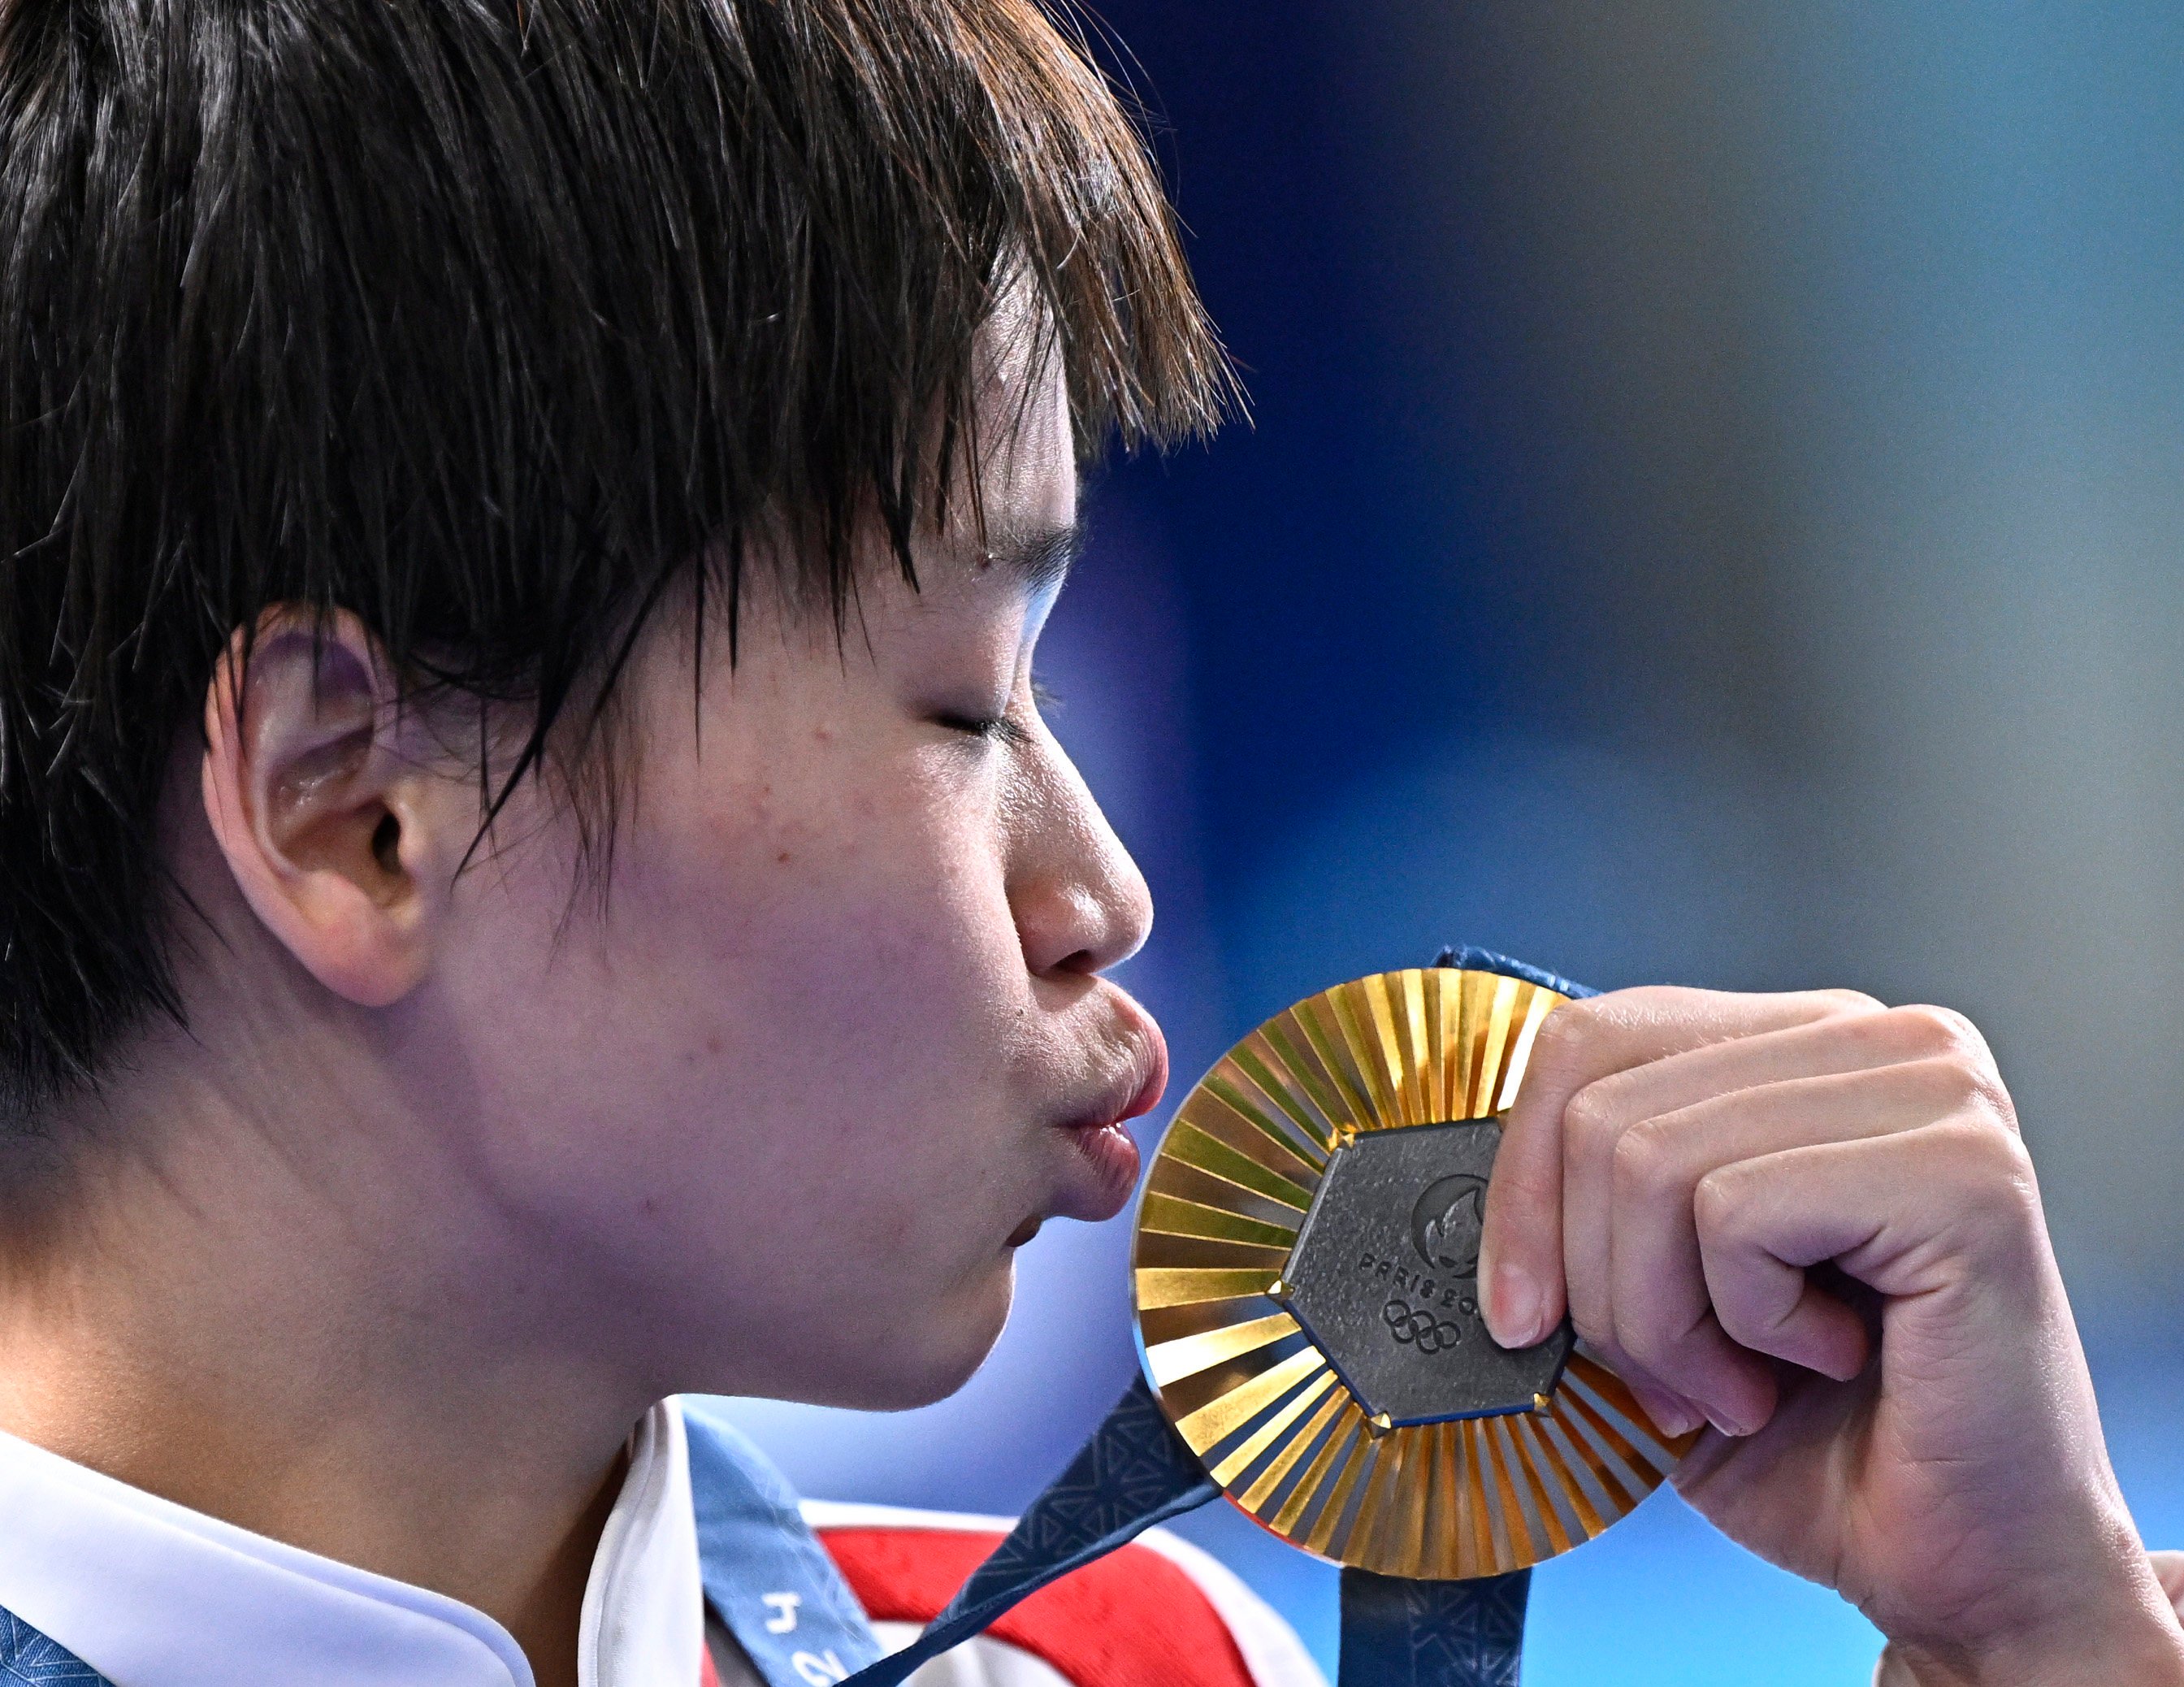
[1137, 1471]
[1404, 1633]
[29, 1659]
[1466, 958]
[1134, 1471]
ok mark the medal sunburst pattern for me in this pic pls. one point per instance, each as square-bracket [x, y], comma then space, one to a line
[1244, 1383]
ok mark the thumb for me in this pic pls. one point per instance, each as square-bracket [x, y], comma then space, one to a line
[2169, 1571]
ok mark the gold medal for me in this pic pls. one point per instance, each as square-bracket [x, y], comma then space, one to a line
[1306, 1266]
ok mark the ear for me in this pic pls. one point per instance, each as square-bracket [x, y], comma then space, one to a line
[344, 840]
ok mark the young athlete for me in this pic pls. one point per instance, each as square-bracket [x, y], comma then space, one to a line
[532, 882]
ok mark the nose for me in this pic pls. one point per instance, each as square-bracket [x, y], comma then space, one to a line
[1081, 904]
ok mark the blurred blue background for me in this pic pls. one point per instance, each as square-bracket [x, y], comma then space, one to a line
[1711, 516]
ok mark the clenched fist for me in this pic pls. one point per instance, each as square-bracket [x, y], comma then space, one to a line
[1808, 1221]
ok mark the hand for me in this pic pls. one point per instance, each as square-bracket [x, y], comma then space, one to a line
[1810, 1221]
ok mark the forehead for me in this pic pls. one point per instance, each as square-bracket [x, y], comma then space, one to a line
[1028, 469]
[1016, 523]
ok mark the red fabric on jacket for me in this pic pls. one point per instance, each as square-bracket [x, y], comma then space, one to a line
[1131, 1619]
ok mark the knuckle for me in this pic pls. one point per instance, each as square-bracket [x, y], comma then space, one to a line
[1647, 1343]
[1929, 1030]
[1995, 1152]
[1971, 1089]
[1557, 1046]
[1589, 1118]
[1945, 1082]
[1989, 1166]
[1566, 1024]
[1673, 1349]
[1519, 1184]
[1717, 1206]
[1590, 1318]
[1745, 1323]
[1654, 1002]
[1851, 1001]
[1646, 1166]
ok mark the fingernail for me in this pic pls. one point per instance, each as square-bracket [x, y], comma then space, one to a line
[1670, 1417]
[1727, 1426]
[1514, 1314]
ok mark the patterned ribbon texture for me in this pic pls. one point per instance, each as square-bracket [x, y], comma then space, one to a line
[1137, 1471]
[29, 1659]
[1401, 1633]
[1134, 1471]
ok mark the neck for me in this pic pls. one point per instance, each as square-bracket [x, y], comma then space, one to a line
[357, 1373]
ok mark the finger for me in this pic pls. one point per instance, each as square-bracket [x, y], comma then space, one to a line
[2169, 1571]
[1660, 1305]
[1908, 1214]
[1864, 1037]
[1731, 1387]
[1671, 1413]
[1893, 1671]
[1849, 1041]
[1521, 1279]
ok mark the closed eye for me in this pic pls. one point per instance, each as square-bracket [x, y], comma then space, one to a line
[992, 728]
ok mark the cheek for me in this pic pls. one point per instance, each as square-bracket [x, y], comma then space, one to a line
[797, 1034]
[867, 1012]
[837, 1088]
[865, 923]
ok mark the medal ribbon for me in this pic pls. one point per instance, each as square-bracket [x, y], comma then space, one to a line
[1137, 1471]
[1134, 1471]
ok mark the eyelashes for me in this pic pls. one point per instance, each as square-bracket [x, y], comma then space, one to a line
[987, 728]
[1002, 729]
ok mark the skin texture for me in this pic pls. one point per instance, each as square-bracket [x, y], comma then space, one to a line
[457, 1173]
[1914, 1425]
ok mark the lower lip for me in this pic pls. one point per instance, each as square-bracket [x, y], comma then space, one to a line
[1112, 1157]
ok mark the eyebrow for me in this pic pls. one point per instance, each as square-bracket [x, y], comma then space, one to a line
[1040, 561]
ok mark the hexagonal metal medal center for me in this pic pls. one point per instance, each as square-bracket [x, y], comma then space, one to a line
[1385, 1279]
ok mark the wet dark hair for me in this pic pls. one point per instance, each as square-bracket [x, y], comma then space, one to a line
[490, 321]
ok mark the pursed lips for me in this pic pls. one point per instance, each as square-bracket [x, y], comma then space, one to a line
[1102, 1145]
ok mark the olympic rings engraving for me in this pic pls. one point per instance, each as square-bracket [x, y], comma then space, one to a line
[1410, 1327]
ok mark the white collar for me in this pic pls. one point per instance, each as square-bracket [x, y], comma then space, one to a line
[644, 1606]
[154, 1595]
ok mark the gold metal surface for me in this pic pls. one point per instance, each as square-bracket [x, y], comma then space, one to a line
[1242, 1381]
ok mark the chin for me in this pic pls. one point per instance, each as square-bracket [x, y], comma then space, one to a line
[929, 1358]
[907, 1351]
